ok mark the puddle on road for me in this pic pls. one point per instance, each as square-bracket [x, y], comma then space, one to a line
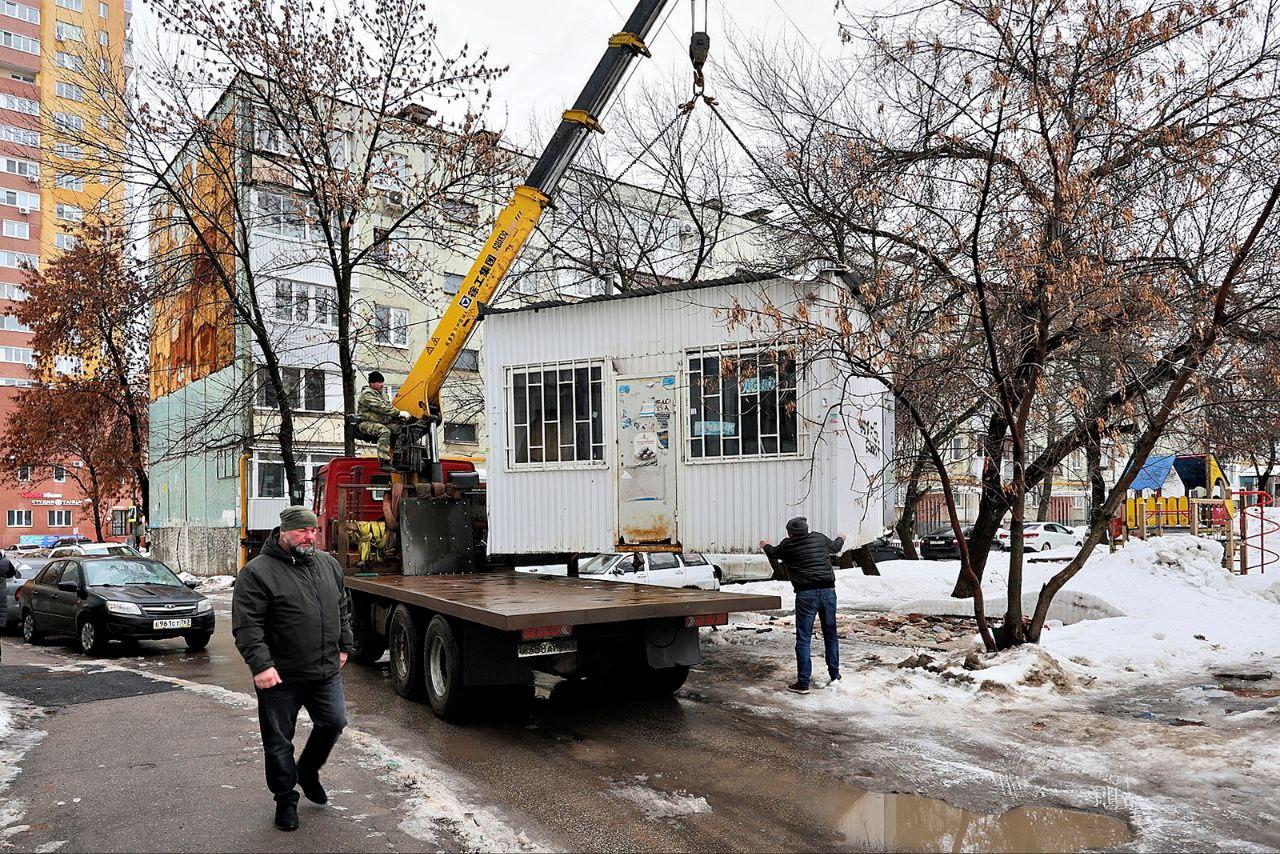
[912, 823]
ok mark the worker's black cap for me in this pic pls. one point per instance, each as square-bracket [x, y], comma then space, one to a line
[376, 377]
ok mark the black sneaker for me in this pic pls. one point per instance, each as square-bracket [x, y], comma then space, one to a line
[287, 814]
[798, 687]
[310, 785]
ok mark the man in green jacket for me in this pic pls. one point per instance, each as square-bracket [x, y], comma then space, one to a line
[376, 415]
[291, 618]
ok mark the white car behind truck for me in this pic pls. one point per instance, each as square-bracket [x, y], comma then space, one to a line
[661, 569]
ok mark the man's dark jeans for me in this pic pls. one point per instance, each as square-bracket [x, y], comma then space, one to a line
[821, 604]
[278, 715]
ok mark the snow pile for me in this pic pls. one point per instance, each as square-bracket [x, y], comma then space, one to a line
[657, 804]
[215, 583]
[1154, 607]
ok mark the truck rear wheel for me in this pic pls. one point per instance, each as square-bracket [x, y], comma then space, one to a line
[404, 636]
[442, 660]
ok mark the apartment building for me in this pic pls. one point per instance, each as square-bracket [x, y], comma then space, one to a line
[43, 43]
[216, 459]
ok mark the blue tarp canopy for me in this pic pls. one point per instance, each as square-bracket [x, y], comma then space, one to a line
[1155, 471]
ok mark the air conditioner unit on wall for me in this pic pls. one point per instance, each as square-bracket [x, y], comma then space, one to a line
[25, 211]
[395, 198]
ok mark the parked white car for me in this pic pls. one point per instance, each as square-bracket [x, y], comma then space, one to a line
[1042, 536]
[662, 569]
[95, 550]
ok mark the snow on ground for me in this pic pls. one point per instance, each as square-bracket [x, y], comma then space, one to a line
[18, 734]
[658, 804]
[1155, 608]
[214, 583]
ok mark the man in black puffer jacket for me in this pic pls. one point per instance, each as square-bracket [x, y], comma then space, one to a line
[291, 618]
[807, 555]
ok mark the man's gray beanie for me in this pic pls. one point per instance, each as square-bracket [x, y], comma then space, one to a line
[798, 526]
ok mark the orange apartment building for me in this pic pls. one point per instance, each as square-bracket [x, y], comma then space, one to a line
[41, 44]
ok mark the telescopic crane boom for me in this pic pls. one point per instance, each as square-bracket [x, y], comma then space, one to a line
[419, 395]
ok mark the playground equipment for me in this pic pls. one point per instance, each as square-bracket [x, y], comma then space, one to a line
[1188, 493]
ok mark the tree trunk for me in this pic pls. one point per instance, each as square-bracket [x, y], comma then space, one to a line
[906, 524]
[1097, 486]
[1046, 499]
[346, 363]
[862, 557]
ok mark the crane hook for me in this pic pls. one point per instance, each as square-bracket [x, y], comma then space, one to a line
[699, 48]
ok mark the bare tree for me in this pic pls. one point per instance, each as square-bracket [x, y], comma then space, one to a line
[1031, 186]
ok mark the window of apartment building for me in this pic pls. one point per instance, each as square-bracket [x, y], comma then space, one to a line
[103, 38]
[73, 5]
[22, 12]
[119, 523]
[11, 291]
[17, 355]
[391, 326]
[452, 282]
[103, 10]
[460, 211]
[65, 32]
[14, 166]
[18, 518]
[468, 360]
[20, 136]
[388, 248]
[69, 60]
[281, 215]
[18, 260]
[389, 171]
[59, 518]
[18, 230]
[16, 41]
[68, 151]
[19, 104]
[957, 448]
[556, 414]
[70, 182]
[467, 434]
[9, 323]
[59, 474]
[66, 241]
[70, 91]
[71, 213]
[305, 388]
[22, 77]
[24, 474]
[304, 303]
[104, 122]
[742, 403]
[68, 121]
[15, 382]
[269, 476]
[68, 365]
[24, 202]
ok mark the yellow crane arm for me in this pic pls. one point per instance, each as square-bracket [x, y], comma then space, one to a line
[420, 392]
[419, 395]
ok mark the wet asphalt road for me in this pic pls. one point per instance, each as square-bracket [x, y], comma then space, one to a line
[557, 769]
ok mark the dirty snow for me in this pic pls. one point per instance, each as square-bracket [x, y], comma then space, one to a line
[1155, 608]
[658, 804]
[213, 584]
[18, 734]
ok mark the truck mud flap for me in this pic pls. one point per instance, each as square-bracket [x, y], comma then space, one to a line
[489, 658]
[668, 644]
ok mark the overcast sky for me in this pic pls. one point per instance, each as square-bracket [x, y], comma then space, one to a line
[552, 45]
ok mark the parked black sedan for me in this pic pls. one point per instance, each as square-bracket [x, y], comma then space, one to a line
[99, 599]
[883, 548]
[943, 545]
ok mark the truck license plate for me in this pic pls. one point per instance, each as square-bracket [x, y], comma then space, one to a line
[529, 649]
[170, 624]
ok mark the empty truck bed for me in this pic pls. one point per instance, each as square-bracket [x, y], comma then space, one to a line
[516, 600]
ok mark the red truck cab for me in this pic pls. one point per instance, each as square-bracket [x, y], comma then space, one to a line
[357, 489]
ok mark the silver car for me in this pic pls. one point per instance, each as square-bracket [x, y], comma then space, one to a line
[10, 604]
